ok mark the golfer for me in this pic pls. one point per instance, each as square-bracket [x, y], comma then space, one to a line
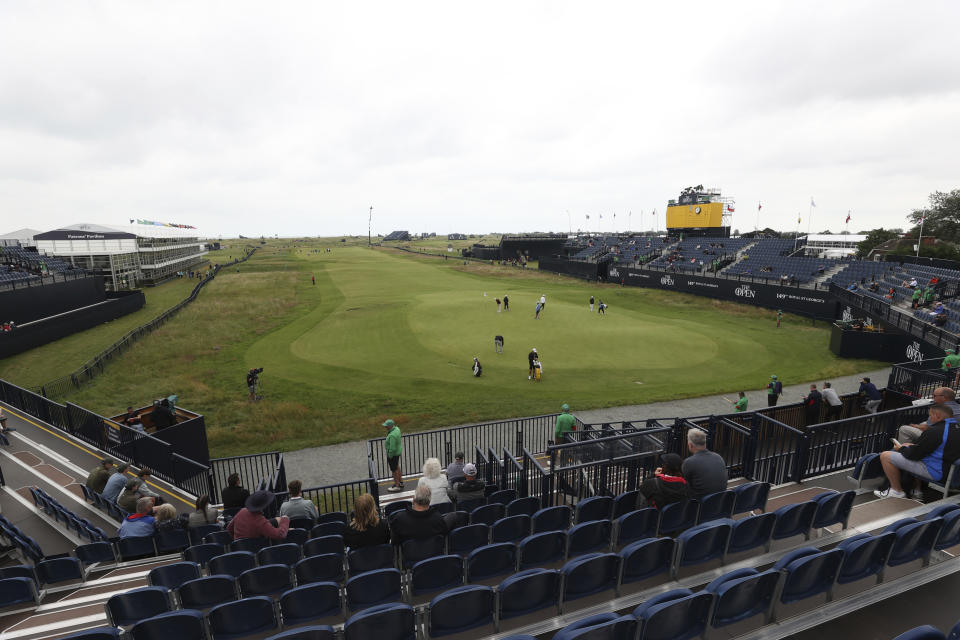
[602, 309]
[543, 301]
[498, 344]
[531, 358]
[591, 304]
[506, 303]
[536, 315]
[477, 369]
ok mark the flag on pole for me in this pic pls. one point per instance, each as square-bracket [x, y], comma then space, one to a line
[798, 219]
[812, 203]
[848, 218]
[759, 206]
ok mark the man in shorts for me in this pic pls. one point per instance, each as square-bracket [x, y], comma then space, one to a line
[394, 446]
[929, 459]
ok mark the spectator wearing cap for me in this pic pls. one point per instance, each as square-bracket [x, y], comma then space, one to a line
[141, 523]
[704, 470]
[98, 477]
[143, 488]
[667, 485]
[128, 499]
[419, 520]
[295, 506]
[470, 487]
[565, 424]
[774, 389]
[115, 483]
[455, 469]
[531, 357]
[394, 447]
[251, 523]
[234, 496]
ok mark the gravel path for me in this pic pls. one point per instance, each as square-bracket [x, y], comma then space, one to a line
[318, 466]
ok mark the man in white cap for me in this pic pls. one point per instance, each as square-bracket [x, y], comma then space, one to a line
[531, 357]
[470, 487]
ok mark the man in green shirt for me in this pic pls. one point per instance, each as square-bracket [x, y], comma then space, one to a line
[950, 362]
[394, 446]
[565, 424]
[915, 298]
[927, 296]
[741, 404]
[97, 479]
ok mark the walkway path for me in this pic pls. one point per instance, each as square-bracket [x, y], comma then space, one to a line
[318, 466]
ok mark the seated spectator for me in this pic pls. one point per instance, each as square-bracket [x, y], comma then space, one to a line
[115, 483]
[667, 486]
[234, 496]
[203, 513]
[705, 471]
[97, 479]
[167, 519]
[437, 483]
[295, 506]
[470, 487]
[143, 488]
[910, 433]
[455, 469]
[251, 523]
[366, 529]
[129, 498]
[130, 417]
[141, 523]
[418, 520]
[938, 309]
[928, 459]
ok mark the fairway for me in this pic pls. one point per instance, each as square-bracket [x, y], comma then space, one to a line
[391, 334]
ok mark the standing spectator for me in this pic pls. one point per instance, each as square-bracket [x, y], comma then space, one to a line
[506, 303]
[950, 362]
[251, 523]
[834, 403]
[394, 446]
[667, 485]
[869, 392]
[203, 513]
[141, 523]
[774, 389]
[591, 304]
[811, 406]
[930, 458]
[477, 369]
[705, 471]
[565, 424]
[946, 396]
[498, 305]
[470, 487]
[531, 357]
[234, 496]
[437, 483]
[115, 483]
[927, 296]
[915, 299]
[537, 309]
[498, 344]
[741, 404]
[295, 506]
[166, 518]
[779, 317]
[455, 469]
[418, 521]
[129, 498]
[366, 529]
[98, 477]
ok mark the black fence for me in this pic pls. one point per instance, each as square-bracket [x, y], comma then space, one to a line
[256, 470]
[919, 379]
[50, 278]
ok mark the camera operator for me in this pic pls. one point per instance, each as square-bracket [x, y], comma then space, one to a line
[253, 377]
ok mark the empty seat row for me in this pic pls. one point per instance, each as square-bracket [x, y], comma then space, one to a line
[26, 545]
[53, 508]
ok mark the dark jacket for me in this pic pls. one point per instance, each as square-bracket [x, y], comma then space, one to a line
[415, 525]
[930, 447]
[378, 534]
[468, 489]
[870, 391]
[663, 490]
[812, 401]
[234, 497]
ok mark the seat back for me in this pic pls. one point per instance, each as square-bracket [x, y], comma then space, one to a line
[491, 560]
[334, 528]
[833, 508]
[267, 580]
[232, 564]
[678, 516]
[587, 537]
[868, 468]
[646, 558]
[379, 556]
[466, 539]
[396, 506]
[288, 554]
[203, 593]
[415, 550]
[684, 616]
[752, 532]
[810, 575]
[202, 553]
[635, 525]
[523, 506]
[242, 617]
[332, 516]
[384, 622]
[379, 586]
[528, 591]
[185, 624]
[198, 533]
[323, 544]
[704, 542]
[17, 590]
[625, 503]
[594, 508]
[171, 576]
[751, 496]
[717, 505]
[950, 531]
[552, 519]
[310, 602]
[742, 594]
[460, 609]
[55, 570]
[327, 567]
[511, 528]
[793, 520]
[504, 496]
[253, 545]
[487, 514]
[603, 626]
[95, 552]
[124, 609]
[172, 540]
[436, 574]
[590, 574]
[914, 540]
[864, 555]
[542, 548]
[135, 547]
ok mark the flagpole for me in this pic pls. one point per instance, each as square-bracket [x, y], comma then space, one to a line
[809, 218]
[920, 237]
[796, 235]
[756, 227]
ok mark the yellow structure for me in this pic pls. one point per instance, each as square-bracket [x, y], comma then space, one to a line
[697, 215]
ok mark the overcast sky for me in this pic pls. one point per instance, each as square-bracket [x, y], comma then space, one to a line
[294, 118]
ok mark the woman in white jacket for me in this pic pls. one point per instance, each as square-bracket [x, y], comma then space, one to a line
[437, 483]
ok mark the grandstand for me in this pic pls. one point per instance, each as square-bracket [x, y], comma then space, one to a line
[400, 236]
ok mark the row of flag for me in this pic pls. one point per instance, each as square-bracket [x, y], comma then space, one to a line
[163, 224]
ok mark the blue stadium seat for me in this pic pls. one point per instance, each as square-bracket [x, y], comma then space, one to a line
[867, 472]
[595, 508]
[794, 520]
[703, 543]
[95, 553]
[56, 570]
[232, 564]
[635, 525]
[443, 508]
[589, 574]
[383, 622]
[99, 633]
[588, 537]
[302, 523]
[310, 602]
[950, 531]
[323, 568]
[914, 540]
[173, 575]
[297, 536]
[379, 556]
[678, 516]
[288, 554]
[466, 539]
[470, 504]
[333, 516]
[324, 544]
[135, 547]
[504, 496]
[220, 537]
[125, 609]
[646, 558]
[808, 572]
[379, 586]
[528, 591]
[864, 555]
[436, 574]
[198, 533]
[172, 540]
[832, 508]
[415, 550]
[523, 506]
[926, 632]
[203, 553]
[603, 626]
[625, 503]
[487, 514]
[511, 528]
[552, 519]
[542, 548]
[335, 528]
[266, 580]
[752, 532]
[674, 615]
[242, 618]
[491, 560]
[460, 609]
[742, 594]
[398, 505]
[207, 592]
[751, 496]
[456, 519]
[20, 571]
[313, 632]
[17, 591]
[253, 545]
[185, 624]
[715, 506]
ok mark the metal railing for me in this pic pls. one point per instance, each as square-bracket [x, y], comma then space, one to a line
[919, 379]
[252, 469]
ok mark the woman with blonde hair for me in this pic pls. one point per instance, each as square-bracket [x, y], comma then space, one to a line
[166, 518]
[366, 529]
[437, 483]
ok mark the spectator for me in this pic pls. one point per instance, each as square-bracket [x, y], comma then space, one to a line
[470, 487]
[565, 424]
[477, 369]
[705, 471]
[741, 404]
[234, 496]
[97, 479]
[130, 417]
[811, 406]
[869, 393]
[143, 488]
[667, 485]
[418, 521]
[910, 433]
[203, 513]
[128, 499]
[295, 506]
[141, 523]
[394, 446]
[774, 390]
[167, 519]
[115, 483]
[366, 529]
[950, 361]
[929, 458]
[455, 469]
[834, 403]
[251, 523]
[915, 299]
[437, 483]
